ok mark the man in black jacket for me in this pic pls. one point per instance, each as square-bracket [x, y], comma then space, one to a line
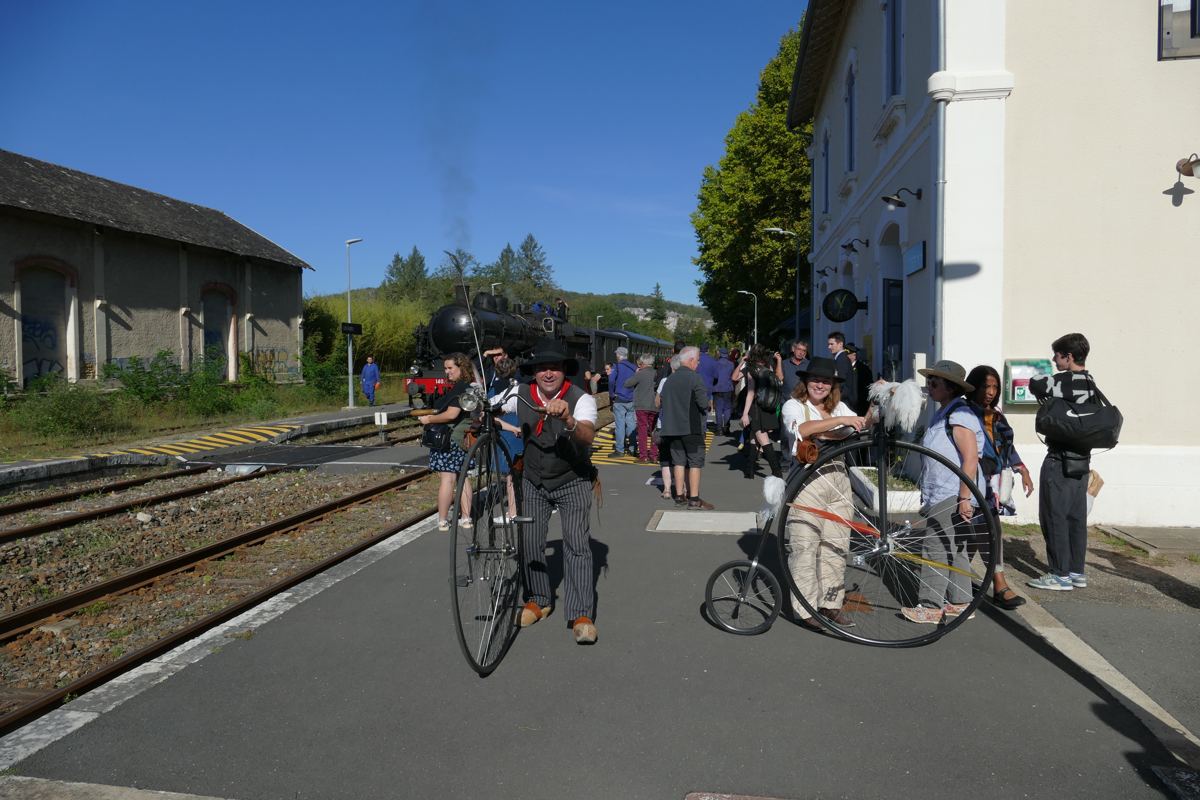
[1062, 498]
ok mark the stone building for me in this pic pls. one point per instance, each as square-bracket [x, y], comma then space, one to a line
[94, 272]
[990, 176]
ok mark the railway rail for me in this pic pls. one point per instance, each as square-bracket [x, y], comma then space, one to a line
[41, 501]
[22, 622]
[57, 522]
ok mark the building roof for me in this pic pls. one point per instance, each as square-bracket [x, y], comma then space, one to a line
[34, 185]
[818, 40]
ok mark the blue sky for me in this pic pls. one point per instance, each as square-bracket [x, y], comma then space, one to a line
[433, 124]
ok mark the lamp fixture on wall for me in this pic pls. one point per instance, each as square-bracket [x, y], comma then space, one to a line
[1188, 166]
[850, 248]
[827, 271]
[893, 200]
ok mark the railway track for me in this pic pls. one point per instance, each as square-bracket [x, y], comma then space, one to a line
[41, 501]
[62, 521]
[27, 621]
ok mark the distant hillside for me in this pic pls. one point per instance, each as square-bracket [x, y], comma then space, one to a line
[631, 301]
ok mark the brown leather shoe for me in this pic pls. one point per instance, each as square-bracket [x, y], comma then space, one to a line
[532, 612]
[584, 631]
[837, 617]
[699, 504]
[812, 624]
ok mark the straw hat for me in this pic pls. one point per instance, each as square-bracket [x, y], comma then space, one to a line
[950, 371]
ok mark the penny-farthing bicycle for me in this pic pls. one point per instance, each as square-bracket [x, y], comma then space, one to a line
[853, 524]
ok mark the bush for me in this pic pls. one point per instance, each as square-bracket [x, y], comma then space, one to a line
[324, 378]
[207, 394]
[52, 407]
[155, 382]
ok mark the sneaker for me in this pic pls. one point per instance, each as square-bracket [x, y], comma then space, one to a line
[697, 504]
[1078, 580]
[922, 615]
[443, 525]
[953, 610]
[584, 631]
[466, 522]
[1052, 582]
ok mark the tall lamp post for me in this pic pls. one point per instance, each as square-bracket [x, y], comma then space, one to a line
[494, 285]
[598, 318]
[796, 236]
[752, 294]
[349, 336]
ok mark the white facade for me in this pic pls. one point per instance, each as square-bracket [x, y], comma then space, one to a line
[1050, 159]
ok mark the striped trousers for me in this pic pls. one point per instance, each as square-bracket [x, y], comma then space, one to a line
[574, 503]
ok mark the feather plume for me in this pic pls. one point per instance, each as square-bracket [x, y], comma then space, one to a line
[900, 403]
[772, 496]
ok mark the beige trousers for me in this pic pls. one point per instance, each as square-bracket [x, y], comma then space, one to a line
[817, 559]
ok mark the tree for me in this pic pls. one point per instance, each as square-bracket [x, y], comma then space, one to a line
[502, 270]
[456, 267]
[658, 305]
[405, 277]
[533, 277]
[763, 180]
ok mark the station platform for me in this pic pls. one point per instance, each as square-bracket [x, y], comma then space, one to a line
[353, 686]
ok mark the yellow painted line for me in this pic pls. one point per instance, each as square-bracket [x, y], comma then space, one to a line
[212, 440]
[258, 437]
[243, 438]
[225, 438]
[204, 445]
[266, 434]
[172, 449]
[273, 430]
[142, 452]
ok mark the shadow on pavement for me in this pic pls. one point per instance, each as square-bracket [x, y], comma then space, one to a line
[1172, 587]
[554, 566]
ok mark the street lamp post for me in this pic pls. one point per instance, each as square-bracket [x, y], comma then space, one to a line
[494, 285]
[598, 318]
[795, 236]
[752, 294]
[623, 324]
[349, 336]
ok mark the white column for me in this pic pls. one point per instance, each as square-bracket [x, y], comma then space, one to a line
[975, 85]
[185, 333]
[99, 303]
[72, 301]
[18, 337]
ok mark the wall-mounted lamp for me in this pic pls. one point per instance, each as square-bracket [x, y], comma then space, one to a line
[850, 248]
[893, 200]
[827, 271]
[1188, 166]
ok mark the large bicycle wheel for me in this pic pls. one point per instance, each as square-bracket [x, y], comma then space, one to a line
[742, 597]
[485, 577]
[863, 556]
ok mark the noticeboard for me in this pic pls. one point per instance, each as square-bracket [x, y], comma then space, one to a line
[914, 259]
[1017, 374]
[352, 328]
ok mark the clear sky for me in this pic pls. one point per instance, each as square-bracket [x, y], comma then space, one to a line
[437, 124]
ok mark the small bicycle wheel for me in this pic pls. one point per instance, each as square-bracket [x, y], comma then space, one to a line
[742, 597]
[864, 557]
[485, 577]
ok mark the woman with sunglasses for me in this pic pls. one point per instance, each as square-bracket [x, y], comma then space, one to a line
[947, 504]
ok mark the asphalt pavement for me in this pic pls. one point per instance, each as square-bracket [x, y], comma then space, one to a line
[360, 692]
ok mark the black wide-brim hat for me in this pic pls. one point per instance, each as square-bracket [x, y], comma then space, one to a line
[548, 352]
[820, 367]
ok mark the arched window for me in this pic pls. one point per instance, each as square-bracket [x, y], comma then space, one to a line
[849, 101]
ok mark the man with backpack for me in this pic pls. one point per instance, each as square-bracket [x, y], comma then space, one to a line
[1062, 505]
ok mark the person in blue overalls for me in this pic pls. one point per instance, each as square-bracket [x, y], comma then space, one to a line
[370, 380]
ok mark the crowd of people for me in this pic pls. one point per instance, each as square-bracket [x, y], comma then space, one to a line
[783, 404]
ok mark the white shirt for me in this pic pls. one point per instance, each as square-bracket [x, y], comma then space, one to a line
[793, 418]
[585, 407]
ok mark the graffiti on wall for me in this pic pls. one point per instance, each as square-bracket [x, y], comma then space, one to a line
[40, 340]
[275, 363]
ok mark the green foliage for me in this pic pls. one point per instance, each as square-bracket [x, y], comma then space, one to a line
[406, 277]
[763, 180]
[54, 408]
[159, 380]
[658, 305]
[388, 327]
[207, 394]
[322, 328]
[325, 378]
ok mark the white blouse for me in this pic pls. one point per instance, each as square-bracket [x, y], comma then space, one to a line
[794, 417]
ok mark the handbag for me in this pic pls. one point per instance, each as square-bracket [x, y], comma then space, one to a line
[437, 437]
[1080, 427]
[807, 451]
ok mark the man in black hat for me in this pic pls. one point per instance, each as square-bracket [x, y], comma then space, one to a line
[862, 381]
[558, 424]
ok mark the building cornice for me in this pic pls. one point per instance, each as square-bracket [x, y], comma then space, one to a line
[955, 86]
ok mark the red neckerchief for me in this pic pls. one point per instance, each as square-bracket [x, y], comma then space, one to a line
[536, 394]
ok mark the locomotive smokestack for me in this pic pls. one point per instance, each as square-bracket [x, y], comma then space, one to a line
[460, 294]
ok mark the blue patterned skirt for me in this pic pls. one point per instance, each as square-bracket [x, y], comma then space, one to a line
[448, 461]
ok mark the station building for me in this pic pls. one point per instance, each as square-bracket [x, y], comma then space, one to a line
[989, 176]
[95, 272]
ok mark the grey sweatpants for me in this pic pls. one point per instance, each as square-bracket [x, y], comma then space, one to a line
[1062, 513]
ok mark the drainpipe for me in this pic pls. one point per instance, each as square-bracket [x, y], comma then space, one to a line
[939, 193]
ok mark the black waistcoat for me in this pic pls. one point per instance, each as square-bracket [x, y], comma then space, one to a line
[552, 458]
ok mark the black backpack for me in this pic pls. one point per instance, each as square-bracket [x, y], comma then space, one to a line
[768, 390]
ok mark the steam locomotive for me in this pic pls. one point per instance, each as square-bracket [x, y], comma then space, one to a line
[516, 329]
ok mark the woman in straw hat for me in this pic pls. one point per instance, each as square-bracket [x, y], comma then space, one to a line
[818, 541]
[947, 504]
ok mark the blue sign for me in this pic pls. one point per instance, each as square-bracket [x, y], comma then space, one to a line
[914, 259]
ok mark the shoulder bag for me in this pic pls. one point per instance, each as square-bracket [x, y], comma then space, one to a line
[437, 437]
[1080, 427]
